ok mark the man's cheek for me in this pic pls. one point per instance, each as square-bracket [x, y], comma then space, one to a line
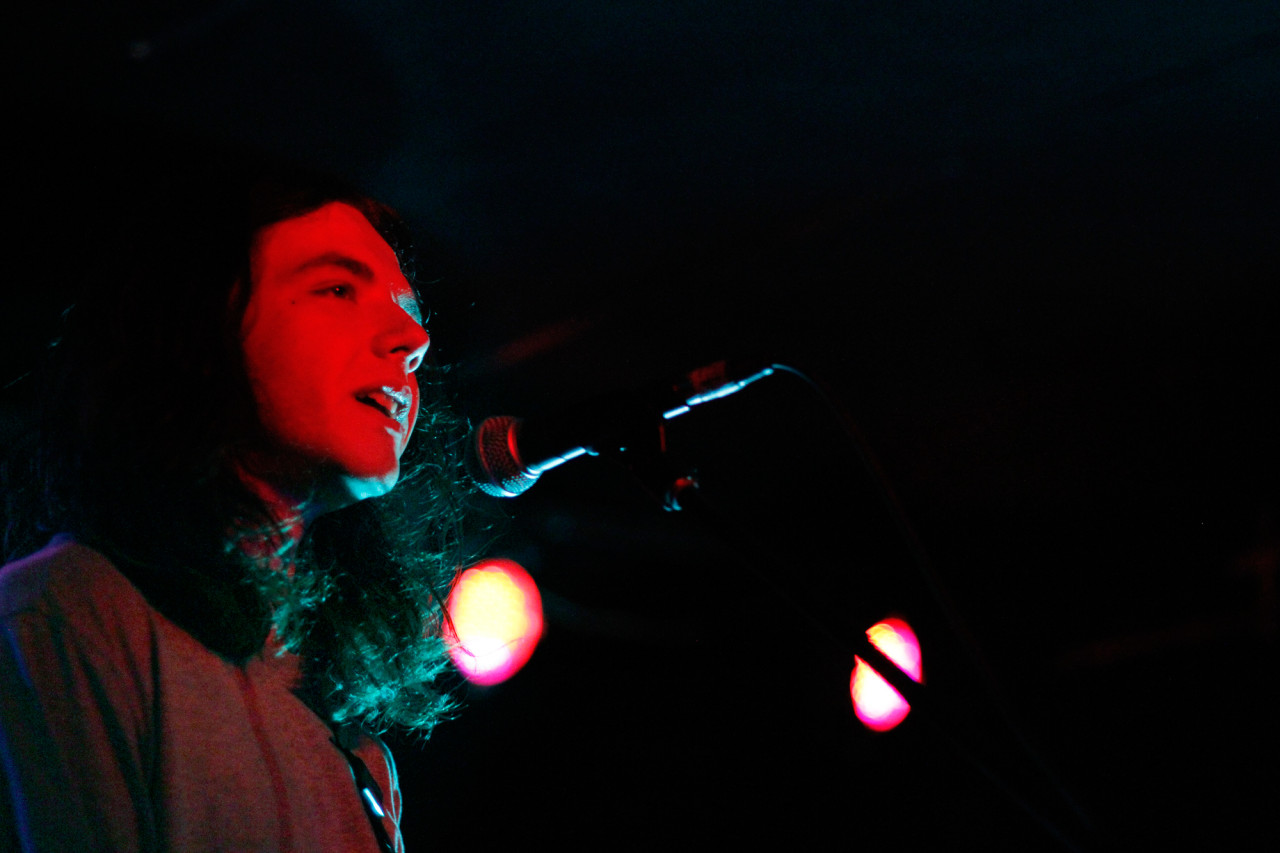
[413, 422]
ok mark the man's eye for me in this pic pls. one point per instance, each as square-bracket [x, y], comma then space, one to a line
[342, 291]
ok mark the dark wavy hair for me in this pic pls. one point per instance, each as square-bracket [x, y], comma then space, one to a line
[145, 408]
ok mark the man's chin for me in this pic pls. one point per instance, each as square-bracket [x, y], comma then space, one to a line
[352, 489]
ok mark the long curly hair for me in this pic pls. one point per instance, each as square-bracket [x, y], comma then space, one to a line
[144, 409]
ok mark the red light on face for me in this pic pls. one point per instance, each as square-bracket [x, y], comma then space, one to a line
[330, 346]
[875, 702]
[497, 620]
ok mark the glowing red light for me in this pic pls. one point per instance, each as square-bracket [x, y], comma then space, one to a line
[875, 702]
[896, 641]
[497, 620]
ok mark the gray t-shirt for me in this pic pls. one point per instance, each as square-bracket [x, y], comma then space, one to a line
[119, 731]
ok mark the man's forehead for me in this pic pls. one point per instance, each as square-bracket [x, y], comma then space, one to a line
[333, 235]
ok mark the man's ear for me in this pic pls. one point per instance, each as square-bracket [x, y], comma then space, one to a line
[238, 318]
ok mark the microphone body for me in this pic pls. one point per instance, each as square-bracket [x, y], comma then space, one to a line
[506, 455]
[496, 454]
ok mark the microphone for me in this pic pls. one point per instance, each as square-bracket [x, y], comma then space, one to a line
[506, 455]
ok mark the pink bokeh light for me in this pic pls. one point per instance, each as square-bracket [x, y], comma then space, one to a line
[875, 702]
[496, 612]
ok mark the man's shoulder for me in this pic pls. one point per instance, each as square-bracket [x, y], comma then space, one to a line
[67, 576]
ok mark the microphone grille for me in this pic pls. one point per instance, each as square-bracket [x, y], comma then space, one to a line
[493, 461]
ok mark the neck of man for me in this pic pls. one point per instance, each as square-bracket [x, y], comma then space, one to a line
[274, 543]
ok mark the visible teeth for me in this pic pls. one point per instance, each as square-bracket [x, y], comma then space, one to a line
[403, 398]
[393, 403]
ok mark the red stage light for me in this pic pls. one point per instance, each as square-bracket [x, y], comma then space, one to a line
[875, 702]
[497, 620]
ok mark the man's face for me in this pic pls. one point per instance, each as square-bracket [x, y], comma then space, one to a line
[332, 334]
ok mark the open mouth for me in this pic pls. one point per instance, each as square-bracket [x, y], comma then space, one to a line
[395, 403]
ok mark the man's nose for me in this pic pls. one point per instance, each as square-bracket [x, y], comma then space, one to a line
[402, 336]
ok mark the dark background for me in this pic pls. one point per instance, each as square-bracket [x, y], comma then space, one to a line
[1027, 249]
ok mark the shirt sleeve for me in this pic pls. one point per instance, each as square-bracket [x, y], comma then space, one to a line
[74, 722]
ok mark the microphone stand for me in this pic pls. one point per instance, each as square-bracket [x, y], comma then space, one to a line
[674, 486]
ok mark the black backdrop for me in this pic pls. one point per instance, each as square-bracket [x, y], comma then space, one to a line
[1029, 254]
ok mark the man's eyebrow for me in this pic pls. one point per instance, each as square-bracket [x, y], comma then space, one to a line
[359, 269]
[362, 271]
